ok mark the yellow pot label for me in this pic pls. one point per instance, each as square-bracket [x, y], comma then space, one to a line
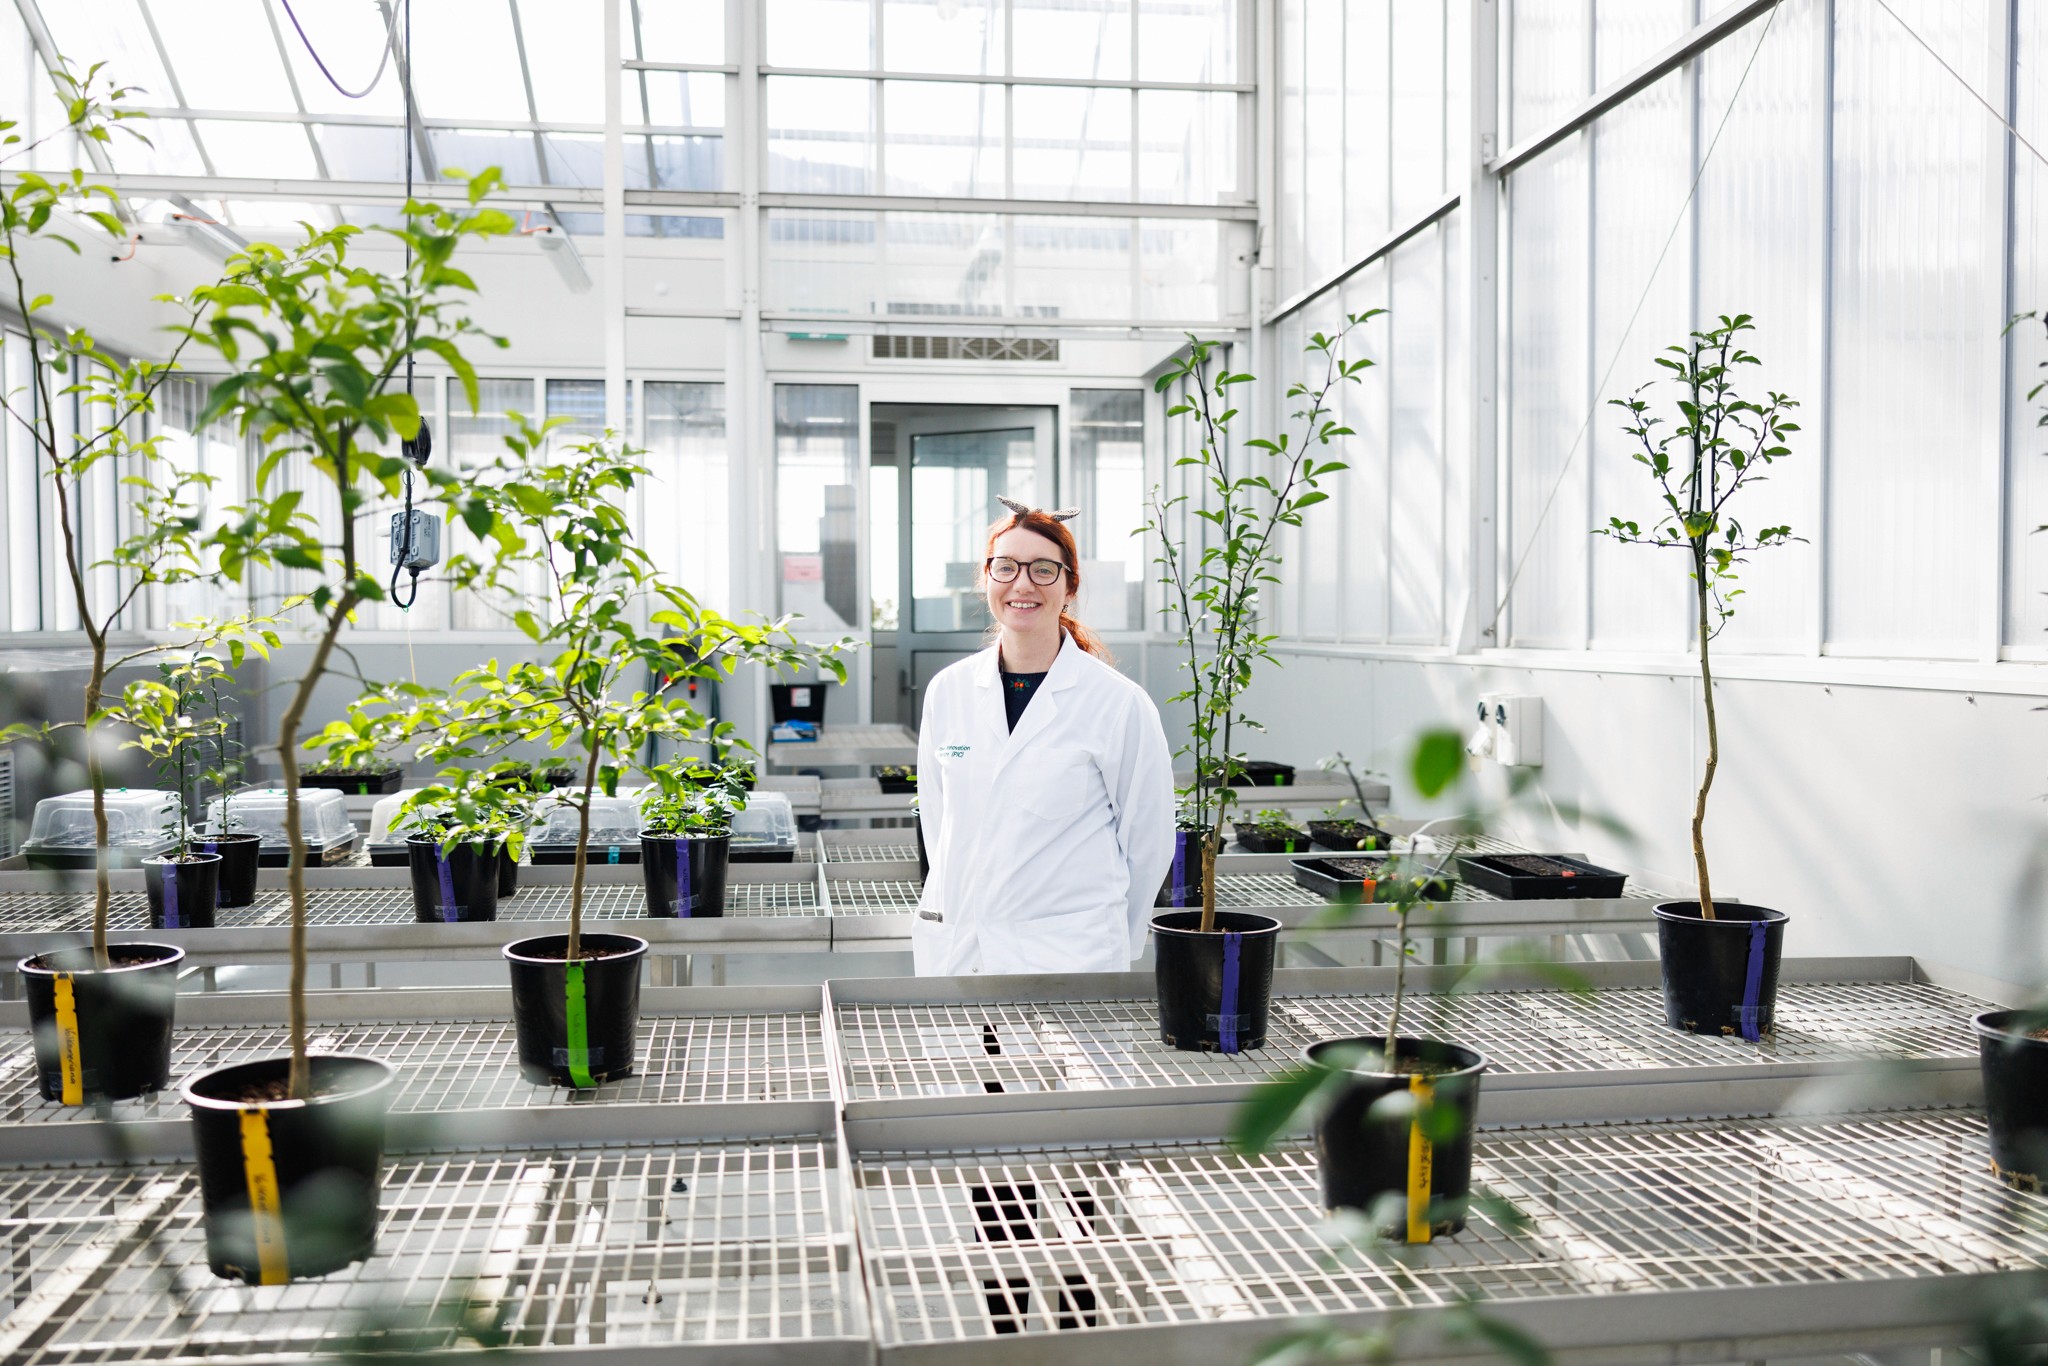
[70, 1060]
[266, 1208]
[1421, 1163]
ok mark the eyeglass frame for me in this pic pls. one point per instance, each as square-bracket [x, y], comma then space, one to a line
[1025, 567]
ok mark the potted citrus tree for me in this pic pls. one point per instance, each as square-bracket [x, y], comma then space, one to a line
[686, 836]
[1720, 963]
[1215, 967]
[459, 830]
[316, 344]
[602, 621]
[183, 885]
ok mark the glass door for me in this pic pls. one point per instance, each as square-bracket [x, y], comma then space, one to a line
[951, 464]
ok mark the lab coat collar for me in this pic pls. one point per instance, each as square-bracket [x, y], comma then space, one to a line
[1067, 668]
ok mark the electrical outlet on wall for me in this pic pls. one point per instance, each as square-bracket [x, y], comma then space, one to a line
[1510, 730]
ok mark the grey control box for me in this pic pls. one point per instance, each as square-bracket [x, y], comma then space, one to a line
[426, 540]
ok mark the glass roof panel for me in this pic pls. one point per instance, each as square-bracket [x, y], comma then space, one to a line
[171, 150]
[471, 150]
[224, 56]
[349, 36]
[1187, 40]
[110, 31]
[959, 37]
[685, 100]
[689, 163]
[565, 53]
[680, 30]
[1079, 39]
[467, 64]
[820, 134]
[944, 138]
[354, 152]
[821, 33]
[281, 217]
[258, 149]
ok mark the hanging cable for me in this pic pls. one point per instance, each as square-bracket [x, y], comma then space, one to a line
[418, 448]
[382, 61]
[1942, 62]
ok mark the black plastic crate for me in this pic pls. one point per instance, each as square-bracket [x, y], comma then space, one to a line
[73, 857]
[1540, 877]
[1341, 879]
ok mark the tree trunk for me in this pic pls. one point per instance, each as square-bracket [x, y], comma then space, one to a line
[288, 761]
[96, 778]
[1212, 843]
[1400, 985]
[574, 950]
[1699, 810]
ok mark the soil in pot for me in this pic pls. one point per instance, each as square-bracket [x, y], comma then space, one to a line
[1349, 836]
[1183, 885]
[508, 874]
[102, 1033]
[1215, 988]
[289, 1188]
[2014, 1059]
[182, 892]
[460, 884]
[576, 1021]
[1379, 1151]
[684, 875]
[239, 852]
[1720, 975]
[1271, 839]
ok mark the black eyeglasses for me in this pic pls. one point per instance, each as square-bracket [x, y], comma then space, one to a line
[1044, 573]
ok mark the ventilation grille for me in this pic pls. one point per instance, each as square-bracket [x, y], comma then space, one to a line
[967, 348]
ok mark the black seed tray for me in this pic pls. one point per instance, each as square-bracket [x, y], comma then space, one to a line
[1328, 879]
[1254, 842]
[1500, 875]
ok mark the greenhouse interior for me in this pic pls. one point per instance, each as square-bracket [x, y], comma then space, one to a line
[1024, 681]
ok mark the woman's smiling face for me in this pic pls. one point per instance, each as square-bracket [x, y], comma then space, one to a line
[1021, 606]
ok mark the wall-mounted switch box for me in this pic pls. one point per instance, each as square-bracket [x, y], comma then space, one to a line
[426, 540]
[1510, 730]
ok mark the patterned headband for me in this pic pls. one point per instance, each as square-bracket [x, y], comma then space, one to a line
[1063, 515]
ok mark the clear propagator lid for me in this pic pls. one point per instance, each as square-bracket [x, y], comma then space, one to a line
[137, 817]
[768, 821]
[613, 820]
[384, 813]
[323, 815]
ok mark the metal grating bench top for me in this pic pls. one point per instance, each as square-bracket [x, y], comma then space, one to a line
[728, 1242]
[449, 1066]
[973, 1245]
[899, 1050]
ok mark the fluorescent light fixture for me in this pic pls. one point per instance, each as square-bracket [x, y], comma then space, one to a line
[555, 244]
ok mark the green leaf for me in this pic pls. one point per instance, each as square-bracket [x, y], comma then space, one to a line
[1272, 1106]
[1438, 760]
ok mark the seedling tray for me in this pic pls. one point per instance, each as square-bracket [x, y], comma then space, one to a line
[898, 779]
[1540, 877]
[762, 853]
[76, 856]
[389, 856]
[598, 851]
[1346, 836]
[1343, 879]
[317, 851]
[360, 784]
[1257, 842]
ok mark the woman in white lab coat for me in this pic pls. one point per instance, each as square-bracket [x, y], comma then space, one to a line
[1045, 786]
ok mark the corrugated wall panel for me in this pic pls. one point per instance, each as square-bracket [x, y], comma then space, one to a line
[1759, 252]
[1361, 517]
[1918, 304]
[1415, 504]
[1546, 399]
[2026, 613]
[1640, 306]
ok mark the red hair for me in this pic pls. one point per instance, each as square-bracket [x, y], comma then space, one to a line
[1057, 533]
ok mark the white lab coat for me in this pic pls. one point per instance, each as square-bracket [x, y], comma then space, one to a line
[1047, 844]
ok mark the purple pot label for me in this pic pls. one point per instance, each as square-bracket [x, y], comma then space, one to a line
[171, 897]
[447, 878]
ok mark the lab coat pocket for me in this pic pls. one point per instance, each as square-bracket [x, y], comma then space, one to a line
[1054, 781]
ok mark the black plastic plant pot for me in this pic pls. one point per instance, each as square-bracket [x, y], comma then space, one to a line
[1720, 975]
[239, 853]
[685, 875]
[102, 1033]
[1349, 836]
[1406, 1162]
[1183, 885]
[1271, 840]
[508, 875]
[448, 888]
[2012, 1049]
[289, 1188]
[182, 892]
[575, 1021]
[1214, 989]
